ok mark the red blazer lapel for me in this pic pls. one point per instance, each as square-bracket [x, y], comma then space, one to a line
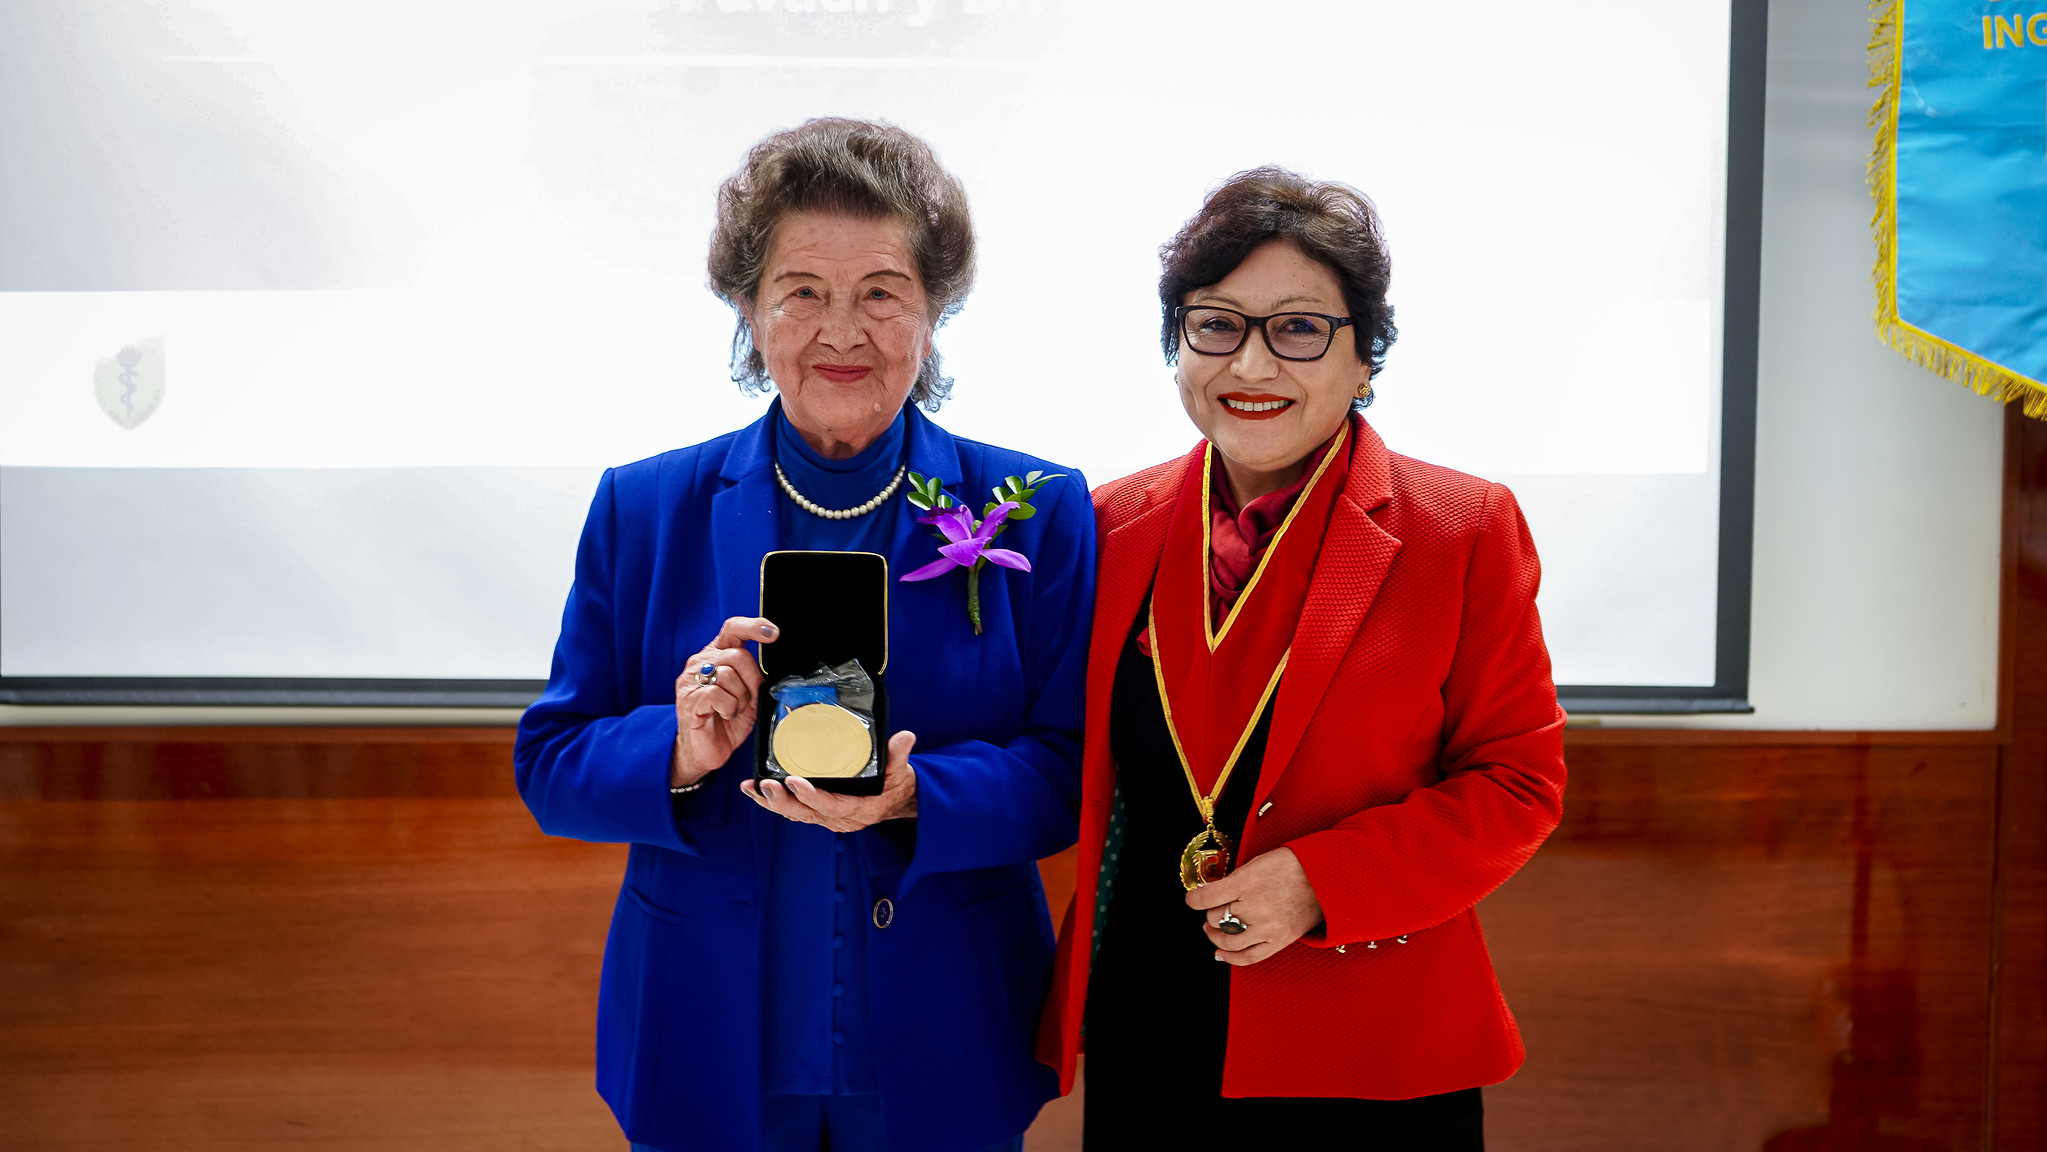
[1356, 555]
[1135, 513]
[1129, 558]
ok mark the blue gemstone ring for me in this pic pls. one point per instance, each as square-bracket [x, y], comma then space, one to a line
[707, 675]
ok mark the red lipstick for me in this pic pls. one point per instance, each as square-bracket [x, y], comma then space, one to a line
[1264, 405]
[840, 373]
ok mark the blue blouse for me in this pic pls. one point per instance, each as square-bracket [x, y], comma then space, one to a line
[815, 954]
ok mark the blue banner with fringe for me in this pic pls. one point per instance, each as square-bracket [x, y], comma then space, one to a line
[1959, 174]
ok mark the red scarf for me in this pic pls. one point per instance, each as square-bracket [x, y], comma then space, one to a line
[1237, 536]
[1216, 670]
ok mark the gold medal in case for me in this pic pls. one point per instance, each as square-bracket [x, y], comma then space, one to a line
[832, 612]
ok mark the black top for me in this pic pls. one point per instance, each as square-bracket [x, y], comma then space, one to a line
[1158, 1000]
[1155, 983]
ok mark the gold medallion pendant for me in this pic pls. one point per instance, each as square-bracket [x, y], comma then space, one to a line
[1206, 859]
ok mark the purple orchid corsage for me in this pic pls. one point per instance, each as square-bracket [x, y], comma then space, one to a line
[969, 542]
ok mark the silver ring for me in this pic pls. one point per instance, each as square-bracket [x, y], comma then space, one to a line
[707, 676]
[1229, 924]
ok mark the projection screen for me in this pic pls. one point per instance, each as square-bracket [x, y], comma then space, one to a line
[318, 322]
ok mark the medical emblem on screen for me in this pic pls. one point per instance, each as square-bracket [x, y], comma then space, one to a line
[129, 384]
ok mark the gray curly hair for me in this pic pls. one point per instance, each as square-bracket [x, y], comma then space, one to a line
[857, 167]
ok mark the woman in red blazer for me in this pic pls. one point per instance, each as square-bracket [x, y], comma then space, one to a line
[1320, 727]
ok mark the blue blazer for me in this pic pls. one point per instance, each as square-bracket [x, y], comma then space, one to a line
[672, 548]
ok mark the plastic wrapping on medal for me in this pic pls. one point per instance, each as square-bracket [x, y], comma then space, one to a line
[848, 689]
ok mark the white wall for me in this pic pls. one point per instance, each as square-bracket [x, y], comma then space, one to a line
[1877, 483]
[1877, 487]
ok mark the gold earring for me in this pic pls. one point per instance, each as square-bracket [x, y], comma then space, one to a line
[1365, 390]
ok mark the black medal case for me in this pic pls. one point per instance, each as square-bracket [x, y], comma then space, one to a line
[830, 607]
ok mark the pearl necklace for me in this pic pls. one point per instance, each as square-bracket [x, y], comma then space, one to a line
[853, 513]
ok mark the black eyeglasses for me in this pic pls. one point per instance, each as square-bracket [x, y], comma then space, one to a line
[1290, 335]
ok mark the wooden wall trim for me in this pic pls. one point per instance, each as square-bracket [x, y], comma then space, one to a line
[1778, 738]
[2017, 1085]
[254, 763]
[343, 735]
[252, 734]
[259, 763]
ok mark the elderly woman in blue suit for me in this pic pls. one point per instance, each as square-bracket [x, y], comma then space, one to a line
[789, 968]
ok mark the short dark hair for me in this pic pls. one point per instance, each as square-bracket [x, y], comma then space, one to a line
[1333, 223]
[861, 168]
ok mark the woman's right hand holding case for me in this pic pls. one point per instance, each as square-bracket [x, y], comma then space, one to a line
[713, 720]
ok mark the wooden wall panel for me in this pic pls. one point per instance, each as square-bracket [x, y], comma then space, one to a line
[359, 940]
[1754, 947]
[385, 971]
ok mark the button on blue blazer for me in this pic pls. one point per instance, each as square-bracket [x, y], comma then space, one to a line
[672, 548]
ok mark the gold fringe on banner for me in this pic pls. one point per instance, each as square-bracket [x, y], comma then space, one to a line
[1987, 377]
